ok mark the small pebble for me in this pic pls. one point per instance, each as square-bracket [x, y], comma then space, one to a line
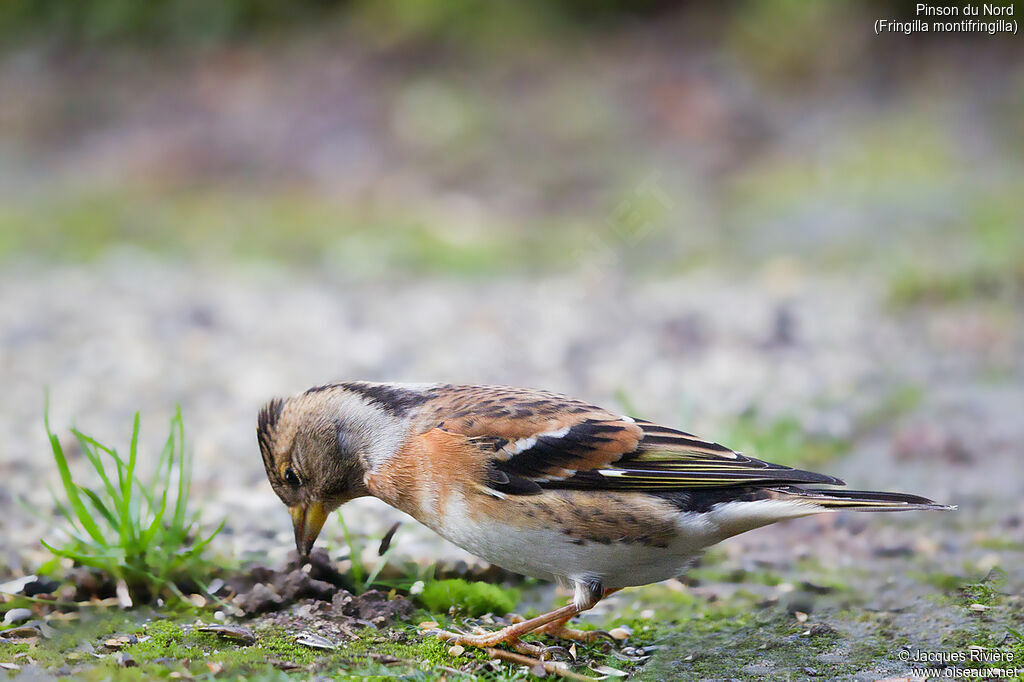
[17, 616]
[979, 608]
[620, 633]
[819, 629]
[219, 616]
[120, 641]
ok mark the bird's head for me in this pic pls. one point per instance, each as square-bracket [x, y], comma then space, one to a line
[317, 447]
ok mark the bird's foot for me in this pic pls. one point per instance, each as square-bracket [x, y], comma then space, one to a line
[574, 635]
[480, 639]
[510, 633]
[558, 630]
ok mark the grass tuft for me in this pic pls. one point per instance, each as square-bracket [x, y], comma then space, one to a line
[143, 535]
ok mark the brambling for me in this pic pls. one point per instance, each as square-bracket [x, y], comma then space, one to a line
[535, 482]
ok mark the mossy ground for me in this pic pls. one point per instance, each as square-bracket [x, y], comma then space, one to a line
[732, 625]
[170, 647]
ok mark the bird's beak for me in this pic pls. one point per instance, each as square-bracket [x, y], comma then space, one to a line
[308, 520]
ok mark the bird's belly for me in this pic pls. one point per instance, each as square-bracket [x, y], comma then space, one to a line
[562, 550]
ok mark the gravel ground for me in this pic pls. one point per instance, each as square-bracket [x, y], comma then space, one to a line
[131, 334]
[128, 334]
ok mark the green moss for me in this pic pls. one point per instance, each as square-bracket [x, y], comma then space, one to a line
[782, 441]
[360, 239]
[474, 599]
[984, 591]
[735, 575]
[746, 646]
[947, 582]
[1001, 544]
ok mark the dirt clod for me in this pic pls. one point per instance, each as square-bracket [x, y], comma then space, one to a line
[373, 606]
[298, 585]
[260, 599]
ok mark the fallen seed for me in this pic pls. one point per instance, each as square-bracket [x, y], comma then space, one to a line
[457, 650]
[22, 632]
[235, 633]
[315, 641]
[17, 616]
[17, 585]
[608, 670]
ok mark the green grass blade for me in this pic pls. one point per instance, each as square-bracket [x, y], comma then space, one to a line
[129, 529]
[148, 535]
[184, 472]
[100, 507]
[355, 553]
[201, 544]
[104, 560]
[372, 577]
[81, 513]
[88, 445]
[61, 508]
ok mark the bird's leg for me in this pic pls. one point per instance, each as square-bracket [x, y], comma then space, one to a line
[512, 632]
[586, 597]
[558, 630]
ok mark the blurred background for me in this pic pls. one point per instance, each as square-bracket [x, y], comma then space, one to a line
[755, 220]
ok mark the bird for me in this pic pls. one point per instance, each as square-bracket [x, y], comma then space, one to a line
[535, 482]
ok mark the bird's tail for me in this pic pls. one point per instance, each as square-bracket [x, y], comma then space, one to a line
[858, 500]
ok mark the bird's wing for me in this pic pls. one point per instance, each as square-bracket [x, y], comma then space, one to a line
[533, 440]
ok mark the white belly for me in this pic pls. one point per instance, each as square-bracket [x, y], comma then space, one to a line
[551, 554]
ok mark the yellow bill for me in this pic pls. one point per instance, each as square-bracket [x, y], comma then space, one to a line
[308, 520]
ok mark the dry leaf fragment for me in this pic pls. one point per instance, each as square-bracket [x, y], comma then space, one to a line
[610, 671]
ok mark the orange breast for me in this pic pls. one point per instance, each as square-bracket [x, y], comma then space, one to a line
[424, 473]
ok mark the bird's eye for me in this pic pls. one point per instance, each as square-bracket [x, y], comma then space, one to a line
[290, 477]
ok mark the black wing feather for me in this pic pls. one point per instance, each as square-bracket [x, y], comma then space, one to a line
[663, 460]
